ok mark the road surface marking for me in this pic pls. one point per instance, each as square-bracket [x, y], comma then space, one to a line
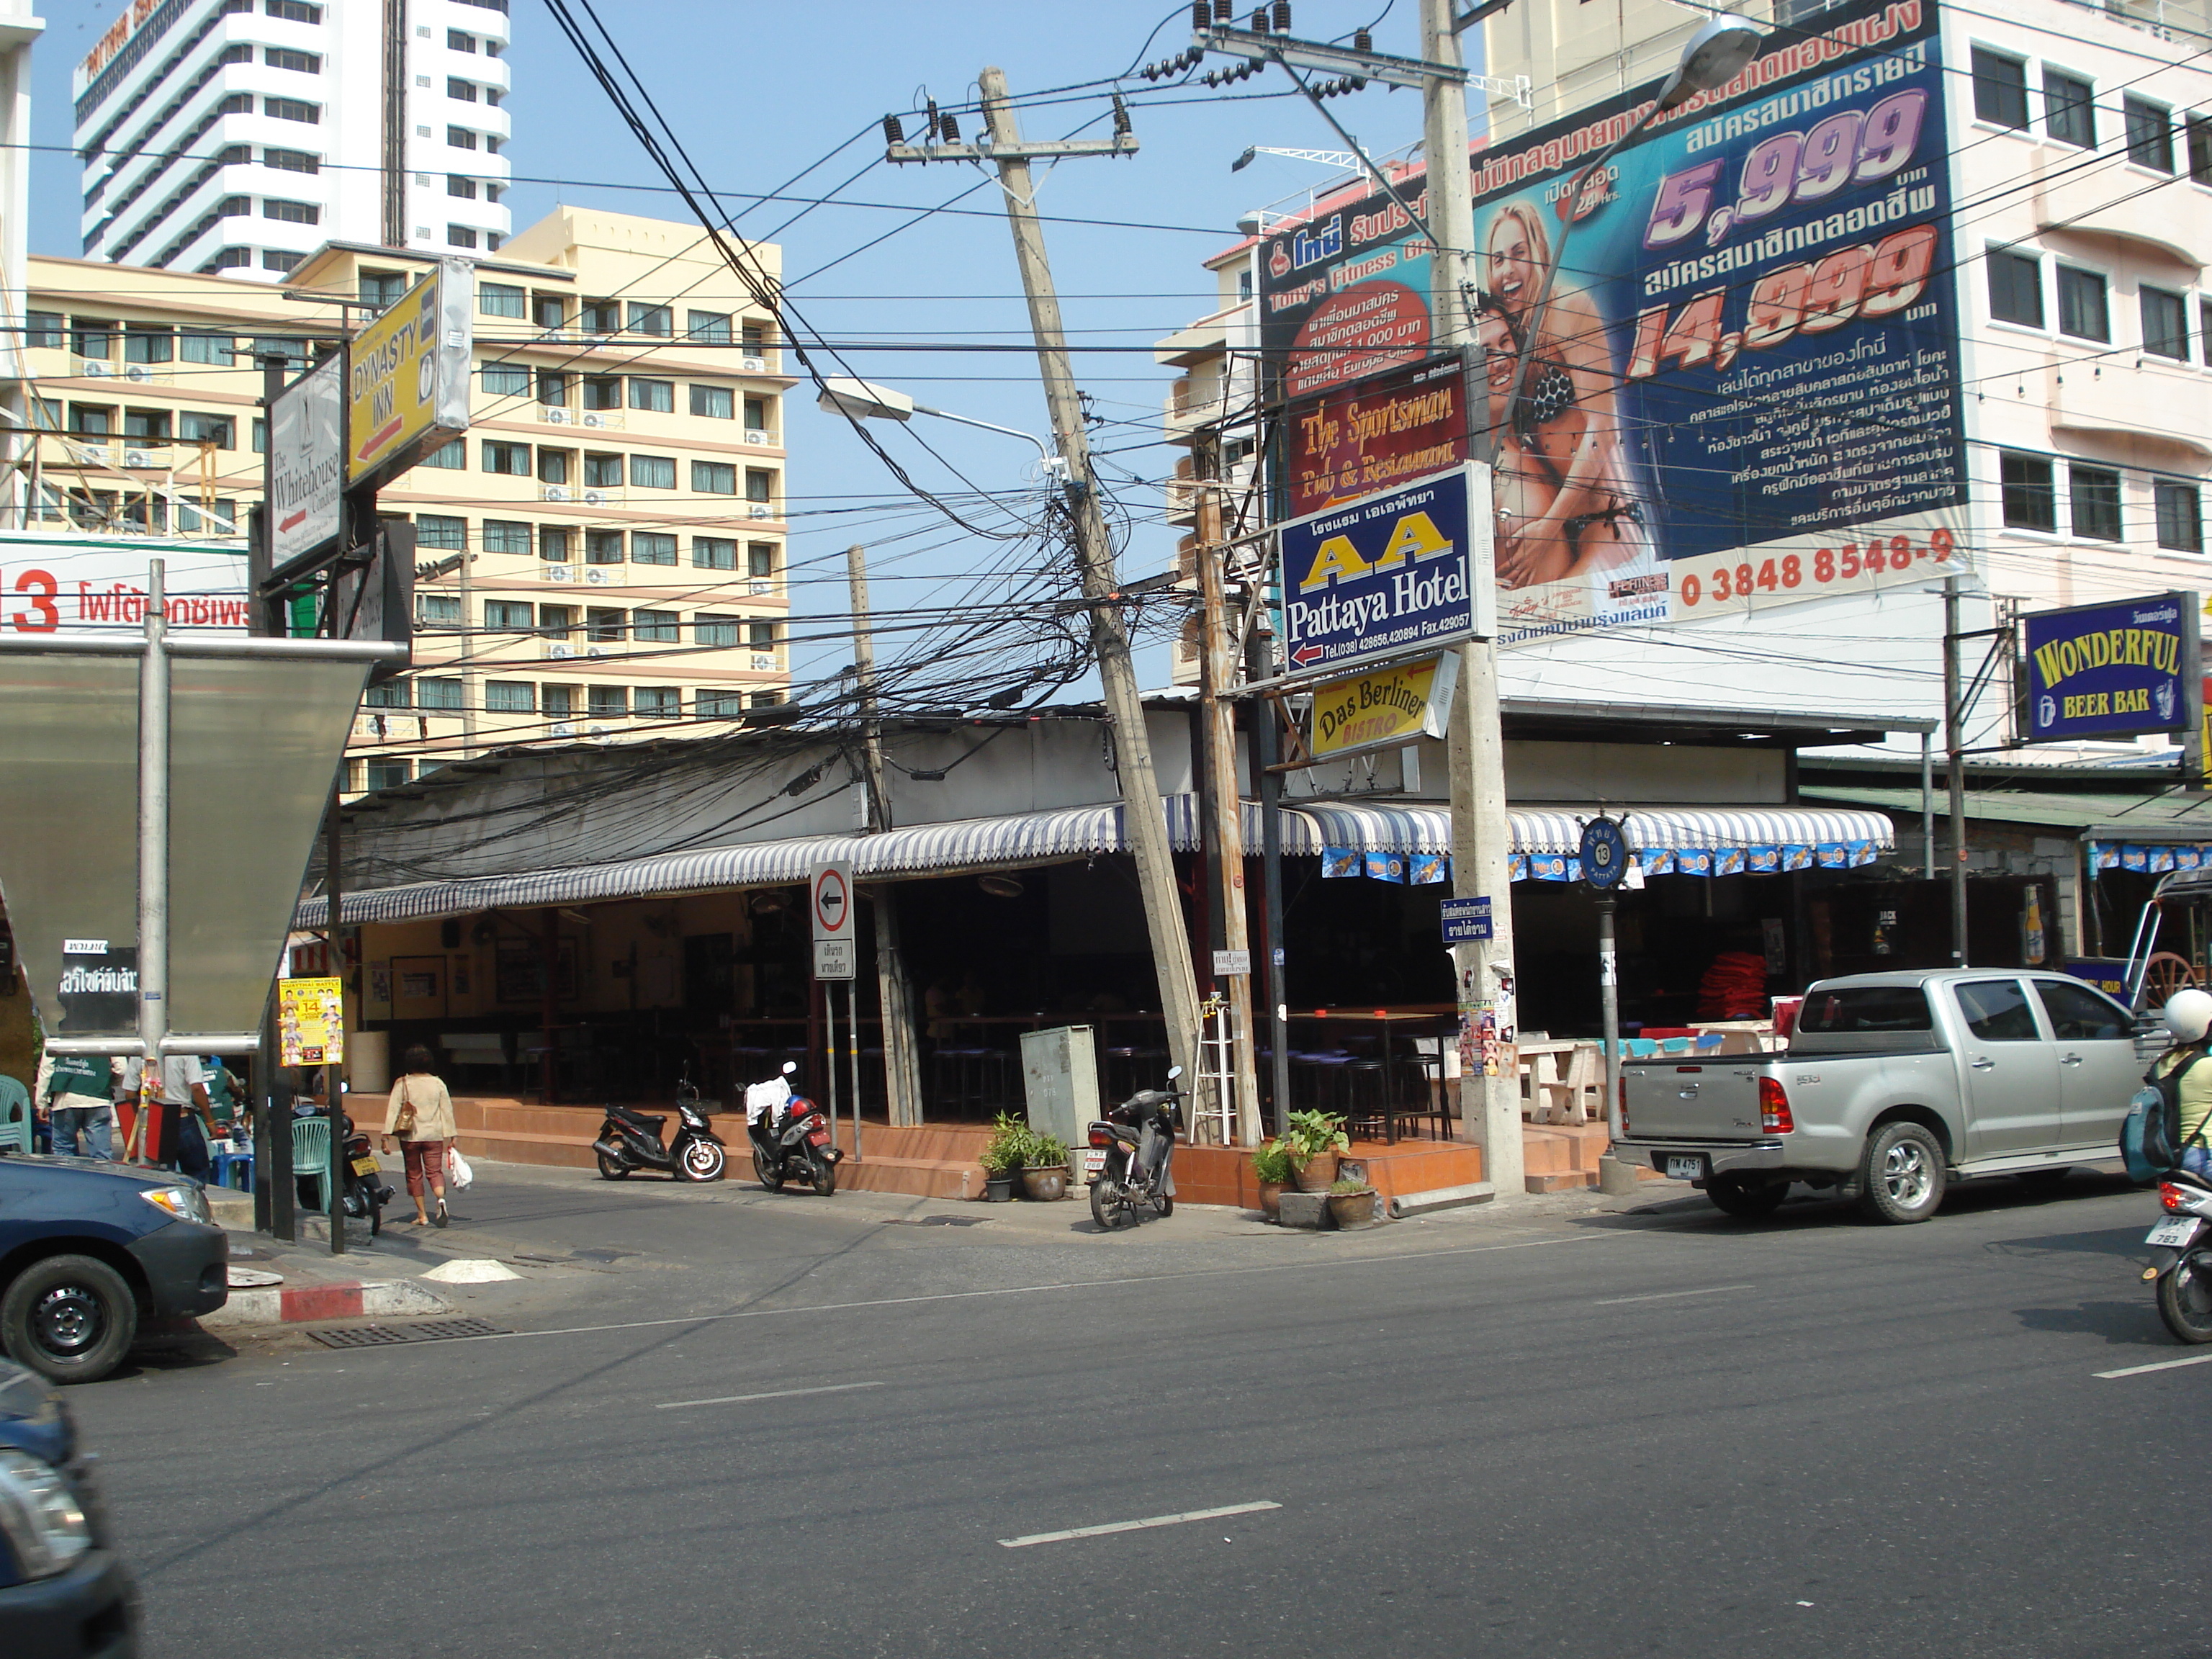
[1132, 1526]
[2162, 1366]
[1669, 1296]
[773, 1394]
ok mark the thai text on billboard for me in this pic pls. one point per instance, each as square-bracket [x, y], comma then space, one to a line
[1357, 439]
[97, 585]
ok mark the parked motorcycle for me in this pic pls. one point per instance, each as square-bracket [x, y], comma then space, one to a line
[1138, 1138]
[363, 1193]
[2181, 1256]
[790, 1142]
[630, 1139]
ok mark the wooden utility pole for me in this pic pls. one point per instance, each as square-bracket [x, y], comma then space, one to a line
[894, 993]
[1225, 798]
[1143, 817]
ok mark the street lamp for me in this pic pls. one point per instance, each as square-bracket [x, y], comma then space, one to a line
[864, 400]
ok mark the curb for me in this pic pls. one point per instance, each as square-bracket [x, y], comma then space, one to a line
[289, 1304]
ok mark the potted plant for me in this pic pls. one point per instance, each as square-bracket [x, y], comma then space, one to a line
[1044, 1168]
[1272, 1169]
[1002, 1156]
[1353, 1203]
[1315, 1138]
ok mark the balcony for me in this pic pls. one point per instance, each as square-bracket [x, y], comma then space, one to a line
[2098, 201]
[2154, 404]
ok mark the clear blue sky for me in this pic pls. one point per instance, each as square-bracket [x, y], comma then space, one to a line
[758, 92]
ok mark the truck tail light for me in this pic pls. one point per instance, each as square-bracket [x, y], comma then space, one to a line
[1774, 1107]
[1623, 1108]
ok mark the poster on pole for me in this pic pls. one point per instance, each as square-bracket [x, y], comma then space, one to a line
[311, 1022]
[1743, 388]
[1354, 440]
[307, 460]
[407, 376]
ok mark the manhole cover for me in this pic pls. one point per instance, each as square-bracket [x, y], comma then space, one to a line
[252, 1279]
[430, 1330]
[935, 1221]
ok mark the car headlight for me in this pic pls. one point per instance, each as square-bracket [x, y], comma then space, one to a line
[45, 1524]
[188, 1203]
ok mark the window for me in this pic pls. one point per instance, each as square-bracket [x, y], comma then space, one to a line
[607, 700]
[392, 694]
[760, 560]
[91, 420]
[549, 311]
[505, 380]
[508, 458]
[43, 328]
[439, 694]
[709, 703]
[492, 96]
[2000, 89]
[291, 109]
[507, 536]
[2150, 134]
[713, 478]
[2199, 131]
[510, 696]
[292, 11]
[602, 547]
[2181, 516]
[291, 213]
[283, 58]
[437, 610]
[602, 471]
[2030, 501]
[454, 455]
[1996, 1011]
[757, 415]
[713, 553]
[711, 326]
[657, 702]
[48, 415]
[2081, 309]
[457, 41]
[658, 396]
[766, 700]
[657, 625]
[464, 91]
[381, 288]
[148, 345]
[2078, 1014]
[460, 138]
[646, 318]
[234, 207]
[554, 621]
[2095, 491]
[91, 338]
[2165, 323]
[603, 392]
[601, 317]
[290, 160]
[714, 403]
[383, 774]
[556, 544]
[760, 635]
[202, 347]
[460, 236]
[293, 350]
[602, 627]
[432, 531]
[552, 388]
[714, 630]
[260, 435]
[239, 54]
[466, 190]
[652, 547]
[505, 614]
[557, 702]
[499, 298]
[271, 260]
[555, 466]
[2069, 115]
[219, 429]
[759, 486]
[755, 338]
[652, 471]
[146, 425]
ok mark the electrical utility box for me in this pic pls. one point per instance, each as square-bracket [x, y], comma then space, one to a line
[1059, 1076]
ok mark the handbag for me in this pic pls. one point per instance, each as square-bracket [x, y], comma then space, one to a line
[404, 1123]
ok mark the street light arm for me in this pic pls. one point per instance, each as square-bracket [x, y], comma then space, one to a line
[965, 420]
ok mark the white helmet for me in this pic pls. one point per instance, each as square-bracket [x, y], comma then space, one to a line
[2189, 1015]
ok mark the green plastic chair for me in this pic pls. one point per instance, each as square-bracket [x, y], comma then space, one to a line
[15, 1114]
[311, 1155]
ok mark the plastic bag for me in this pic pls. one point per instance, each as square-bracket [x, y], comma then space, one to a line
[459, 1175]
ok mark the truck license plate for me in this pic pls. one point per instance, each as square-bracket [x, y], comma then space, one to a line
[2174, 1234]
[1679, 1168]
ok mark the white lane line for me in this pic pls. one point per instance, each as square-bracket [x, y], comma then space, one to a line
[2162, 1366]
[773, 1394]
[1669, 1296]
[1134, 1526]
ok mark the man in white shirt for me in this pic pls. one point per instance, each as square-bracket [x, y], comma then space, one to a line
[185, 1097]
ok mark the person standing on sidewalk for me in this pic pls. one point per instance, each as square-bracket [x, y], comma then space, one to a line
[74, 1089]
[420, 1114]
[183, 1098]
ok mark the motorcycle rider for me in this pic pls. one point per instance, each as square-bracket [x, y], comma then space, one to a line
[2189, 1018]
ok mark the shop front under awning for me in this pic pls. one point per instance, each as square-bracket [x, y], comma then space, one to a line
[2151, 833]
[1667, 841]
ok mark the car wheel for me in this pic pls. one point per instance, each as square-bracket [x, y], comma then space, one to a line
[1745, 1200]
[70, 1318]
[1901, 1177]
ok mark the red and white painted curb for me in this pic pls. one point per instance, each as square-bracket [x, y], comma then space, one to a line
[352, 1298]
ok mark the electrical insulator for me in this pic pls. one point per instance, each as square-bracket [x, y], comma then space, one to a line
[1259, 20]
[1211, 78]
[1224, 12]
[1202, 15]
[1282, 16]
[1361, 40]
[950, 128]
[1121, 116]
[893, 132]
[931, 130]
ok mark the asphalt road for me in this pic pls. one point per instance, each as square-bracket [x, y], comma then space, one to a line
[768, 1427]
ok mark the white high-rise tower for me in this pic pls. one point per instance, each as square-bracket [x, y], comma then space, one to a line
[238, 135]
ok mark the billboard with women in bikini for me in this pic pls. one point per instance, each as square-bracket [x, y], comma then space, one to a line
[1743, 388]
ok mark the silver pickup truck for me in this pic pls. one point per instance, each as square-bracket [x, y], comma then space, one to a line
[1893, 1086]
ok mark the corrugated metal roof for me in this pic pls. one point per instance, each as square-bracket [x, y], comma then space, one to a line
[2116, 816]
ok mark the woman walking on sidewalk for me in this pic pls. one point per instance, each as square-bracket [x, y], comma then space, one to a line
[421, 1113]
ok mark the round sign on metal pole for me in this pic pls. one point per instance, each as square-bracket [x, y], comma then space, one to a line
[1604, 852]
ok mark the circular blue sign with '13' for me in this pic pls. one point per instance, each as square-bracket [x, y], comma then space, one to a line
[1604, 852]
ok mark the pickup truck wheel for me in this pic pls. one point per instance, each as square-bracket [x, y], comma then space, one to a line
[1747, 1201]
[1901, 1178]
[70, 1318]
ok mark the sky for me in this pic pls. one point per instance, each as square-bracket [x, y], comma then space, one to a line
[760, 93]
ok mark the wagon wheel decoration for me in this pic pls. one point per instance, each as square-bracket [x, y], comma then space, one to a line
[2165, 974]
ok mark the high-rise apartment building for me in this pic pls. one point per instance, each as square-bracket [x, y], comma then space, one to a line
[237, 135]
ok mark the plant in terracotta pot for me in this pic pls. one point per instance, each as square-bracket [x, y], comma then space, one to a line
[1315, 1140]
[1044, 1168]
[1003, 1156]
[1352, 1203]
[1272, 1169]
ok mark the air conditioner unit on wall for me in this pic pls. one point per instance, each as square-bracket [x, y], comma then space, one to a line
[755, 365]
[756, 435]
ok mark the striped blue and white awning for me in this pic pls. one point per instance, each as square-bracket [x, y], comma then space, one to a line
[1667, 841]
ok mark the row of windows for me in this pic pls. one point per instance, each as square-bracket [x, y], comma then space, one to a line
[2029, 490]
[140, 425]
[466, 188]
[104, 509]
[615, 316]
[292, 11]
[604, 470]
[559, 702]
[98, 337]
[560, 543]
[468, 92]
[2084, 309]
[550, 385]
[2070, 114]
[462, 138]
[235, 258]
[601, 625]
[457, 41]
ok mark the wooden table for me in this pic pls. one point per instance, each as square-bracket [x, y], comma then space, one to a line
[1544, 1061]
[1434, 1013]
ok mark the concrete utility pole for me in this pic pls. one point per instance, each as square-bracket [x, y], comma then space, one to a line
[901, 1064]
[1489, 1104]
[1141, 811]
[1955, 757]
[1217, 671]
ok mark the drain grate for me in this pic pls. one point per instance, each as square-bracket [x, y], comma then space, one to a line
[429, 1330]
[935, 1221]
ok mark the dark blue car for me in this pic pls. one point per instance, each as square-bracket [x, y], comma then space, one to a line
[63, 1593]
[87, 1249]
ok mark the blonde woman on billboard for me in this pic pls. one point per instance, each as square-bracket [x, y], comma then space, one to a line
[1565, 507]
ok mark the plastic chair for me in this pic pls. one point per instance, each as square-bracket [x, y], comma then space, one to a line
[15, 1114]
[222, 1166]
[311, 1155]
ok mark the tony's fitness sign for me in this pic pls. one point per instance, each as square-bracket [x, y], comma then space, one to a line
[2111, 670]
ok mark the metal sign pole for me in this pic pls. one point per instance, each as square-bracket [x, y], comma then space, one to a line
[830, 1035]
[853, 1027]
[1608, 980]
[153, 854]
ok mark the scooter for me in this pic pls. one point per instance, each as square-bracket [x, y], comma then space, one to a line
[1137, 1139]
[630, 1139]
[790, 1142]
[361, 1192]
[2181, 1256]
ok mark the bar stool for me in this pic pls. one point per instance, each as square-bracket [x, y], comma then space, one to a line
[1365, 1105]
